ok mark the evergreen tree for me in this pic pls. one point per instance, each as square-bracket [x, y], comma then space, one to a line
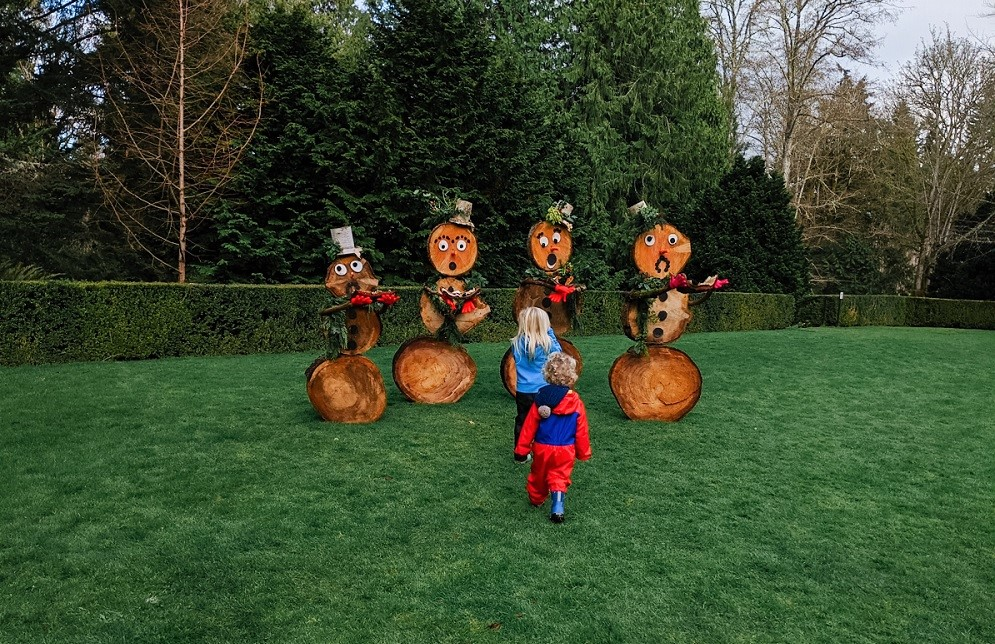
[49, 209]
[648, 110]
[463, 110]
[307, 166]
[745, 231]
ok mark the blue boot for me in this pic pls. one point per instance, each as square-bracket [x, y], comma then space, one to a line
[556, 512]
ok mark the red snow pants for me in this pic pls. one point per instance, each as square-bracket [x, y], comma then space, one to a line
[551, 469]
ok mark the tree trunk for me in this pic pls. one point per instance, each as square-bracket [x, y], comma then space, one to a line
[181, 262]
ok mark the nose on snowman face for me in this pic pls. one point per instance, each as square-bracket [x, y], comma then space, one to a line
[452, 249]
[550, 246]
[660, 251]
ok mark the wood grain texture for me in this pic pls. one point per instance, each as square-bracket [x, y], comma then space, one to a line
[432, 319]
[363, 329]
[660, 251]
[663, 385]
[550, 245]
[452, 249]
[669, 315]
[431, 371]
[348, 389]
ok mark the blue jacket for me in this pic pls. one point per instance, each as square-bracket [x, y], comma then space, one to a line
[528, 373]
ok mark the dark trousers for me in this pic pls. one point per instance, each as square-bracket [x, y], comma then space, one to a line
[524, 402]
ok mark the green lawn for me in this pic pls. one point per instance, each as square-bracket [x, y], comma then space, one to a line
[832, 485]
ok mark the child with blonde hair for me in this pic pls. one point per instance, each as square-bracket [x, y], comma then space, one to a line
[531, 347]
[556, 432]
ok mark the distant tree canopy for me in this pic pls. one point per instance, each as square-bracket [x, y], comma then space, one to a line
[512, 105]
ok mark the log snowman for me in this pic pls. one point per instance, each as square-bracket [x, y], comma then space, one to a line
[549, 284]
[653, 381]
[345, 386]
[437, 369]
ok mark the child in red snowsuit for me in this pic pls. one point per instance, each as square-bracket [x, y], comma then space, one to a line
[556, 433]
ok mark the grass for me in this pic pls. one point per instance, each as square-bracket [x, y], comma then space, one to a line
[832, 485]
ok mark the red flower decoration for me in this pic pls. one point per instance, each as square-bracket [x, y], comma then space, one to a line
[450, 302]
[388, 298]
[560, 293]
[468, 307]
[360, 299]
[678, 281]
[720, 283]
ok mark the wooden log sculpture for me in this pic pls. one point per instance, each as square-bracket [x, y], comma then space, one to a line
[549, 285]
[428, 370]
[345, 386]
[653, 381]
[439, 370]
[348, 389]
[664, 384]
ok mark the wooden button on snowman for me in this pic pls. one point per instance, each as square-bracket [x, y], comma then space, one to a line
[653, 381]
[549, 283]
[345, 386]
[438, 369]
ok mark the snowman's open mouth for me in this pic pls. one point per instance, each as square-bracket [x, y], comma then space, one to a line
[452, 266]
[551, 261]
[666, 264]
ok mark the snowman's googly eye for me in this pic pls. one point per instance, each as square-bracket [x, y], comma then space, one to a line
[461, 245]
[340, 269]
[443, 245]
[543, 241]
[649, 240]
[556, 238]
[356, 266]
[672, 239]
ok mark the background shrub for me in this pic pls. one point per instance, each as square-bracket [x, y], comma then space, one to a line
[42, 322]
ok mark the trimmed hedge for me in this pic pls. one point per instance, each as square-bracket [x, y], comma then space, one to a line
[45, 322]
[895, 310]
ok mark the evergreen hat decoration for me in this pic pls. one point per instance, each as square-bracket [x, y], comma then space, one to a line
[445, 208]
[560, 213]
[644, 216]
[343, 239]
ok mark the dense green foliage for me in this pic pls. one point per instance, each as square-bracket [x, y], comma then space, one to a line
[368, 107]
[307, 167]
[43, 322]
[65, 321]
[49, 207]
[648, 115]
[745, 231]
[893, 310]
[968, 271]
[826, 488]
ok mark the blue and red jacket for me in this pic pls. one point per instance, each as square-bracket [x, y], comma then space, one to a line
[566, 425]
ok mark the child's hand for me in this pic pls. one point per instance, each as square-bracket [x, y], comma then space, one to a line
[523, 458]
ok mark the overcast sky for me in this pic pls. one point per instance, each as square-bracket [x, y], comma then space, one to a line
[899, 39]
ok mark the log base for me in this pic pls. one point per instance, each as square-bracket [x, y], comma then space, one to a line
[431, 371]
[348, 389]
[663, 385]
[509, 376]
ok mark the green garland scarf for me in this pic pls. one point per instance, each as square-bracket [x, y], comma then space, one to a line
[449, 332]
